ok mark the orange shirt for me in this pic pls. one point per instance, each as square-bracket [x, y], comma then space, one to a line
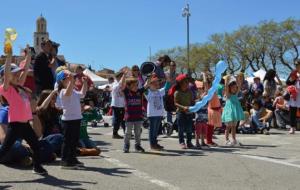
[214, 102]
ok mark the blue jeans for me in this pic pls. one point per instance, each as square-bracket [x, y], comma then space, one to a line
[185, 124]
[87, 143]
[16, 153]
[155, 123]
[257, 123]
[169, 117]
[55, 140]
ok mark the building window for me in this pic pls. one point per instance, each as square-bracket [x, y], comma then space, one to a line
[37, 41]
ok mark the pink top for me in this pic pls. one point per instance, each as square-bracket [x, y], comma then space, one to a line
[19, 104]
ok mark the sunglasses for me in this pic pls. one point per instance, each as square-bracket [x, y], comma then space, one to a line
[173, 65]
[136, 70]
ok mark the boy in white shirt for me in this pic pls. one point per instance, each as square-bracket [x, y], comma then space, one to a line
[118, 105]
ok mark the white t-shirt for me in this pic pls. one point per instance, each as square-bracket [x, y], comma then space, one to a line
[155, 106]
[118, 99]
[70, 105]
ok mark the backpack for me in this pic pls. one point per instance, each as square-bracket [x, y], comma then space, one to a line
[169, 100]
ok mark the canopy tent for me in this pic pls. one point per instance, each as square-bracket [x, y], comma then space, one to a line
[261, 74]
[97, 80]
[102, 87]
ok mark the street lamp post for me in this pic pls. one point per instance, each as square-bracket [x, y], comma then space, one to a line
[186, 13]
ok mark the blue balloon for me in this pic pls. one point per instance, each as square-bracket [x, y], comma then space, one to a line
[220, 69]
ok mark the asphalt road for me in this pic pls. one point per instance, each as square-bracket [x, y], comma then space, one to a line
[263, 162]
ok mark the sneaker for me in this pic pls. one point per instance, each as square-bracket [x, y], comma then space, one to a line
[39, 170]
[78, 163]
[159, 146]
[213, 144]
[68, 166]
[204, 146]
[190, 146]
[126, 149]
[198, 146]
[155, 148]
[117, 136]
[183, 146]
[228, 143]
[139, 148]
[236, 144]
[292, 131]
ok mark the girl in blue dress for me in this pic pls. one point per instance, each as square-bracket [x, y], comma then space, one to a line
[233, 112]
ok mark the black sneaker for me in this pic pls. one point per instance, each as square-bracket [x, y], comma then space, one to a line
[204, 146]
[39, 170]
[117, 136]
[138, 148]
[68, 166]
[78, 163]
[190, 146]
[159, 146]
[126, 149]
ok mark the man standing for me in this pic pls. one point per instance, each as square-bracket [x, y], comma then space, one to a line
[42, 69]
[55, 61]
[118, 106]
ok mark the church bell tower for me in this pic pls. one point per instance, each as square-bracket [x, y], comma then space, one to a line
[41, 33]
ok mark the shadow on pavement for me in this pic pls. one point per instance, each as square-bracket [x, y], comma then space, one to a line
[222, 149]
[5, 187]
[194, 152]
[53, 181]
[94, 134]
[116, 172]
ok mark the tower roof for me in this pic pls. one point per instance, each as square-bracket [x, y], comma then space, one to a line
[41, 19]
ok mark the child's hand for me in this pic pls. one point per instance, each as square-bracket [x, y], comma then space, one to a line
[70, 77]
[55, 92]
[186, 109]
[147, 83]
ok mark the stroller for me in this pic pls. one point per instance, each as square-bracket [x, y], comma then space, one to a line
[92, 114]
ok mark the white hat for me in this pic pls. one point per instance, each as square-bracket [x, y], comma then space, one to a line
[232, 79]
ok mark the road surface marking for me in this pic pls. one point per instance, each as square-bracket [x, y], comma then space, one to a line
[140, 174]
[271, 160]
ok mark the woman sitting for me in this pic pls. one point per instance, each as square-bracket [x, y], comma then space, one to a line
[49, 117]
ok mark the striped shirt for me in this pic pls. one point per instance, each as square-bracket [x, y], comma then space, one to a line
[134, 105]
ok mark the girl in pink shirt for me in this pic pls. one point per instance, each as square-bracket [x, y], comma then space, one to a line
[19, 113]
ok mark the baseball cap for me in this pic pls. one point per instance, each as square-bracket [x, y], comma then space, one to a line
[61, 76]
[13, 68]
[181, 77]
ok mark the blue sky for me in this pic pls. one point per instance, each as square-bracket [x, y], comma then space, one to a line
[115, 33]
